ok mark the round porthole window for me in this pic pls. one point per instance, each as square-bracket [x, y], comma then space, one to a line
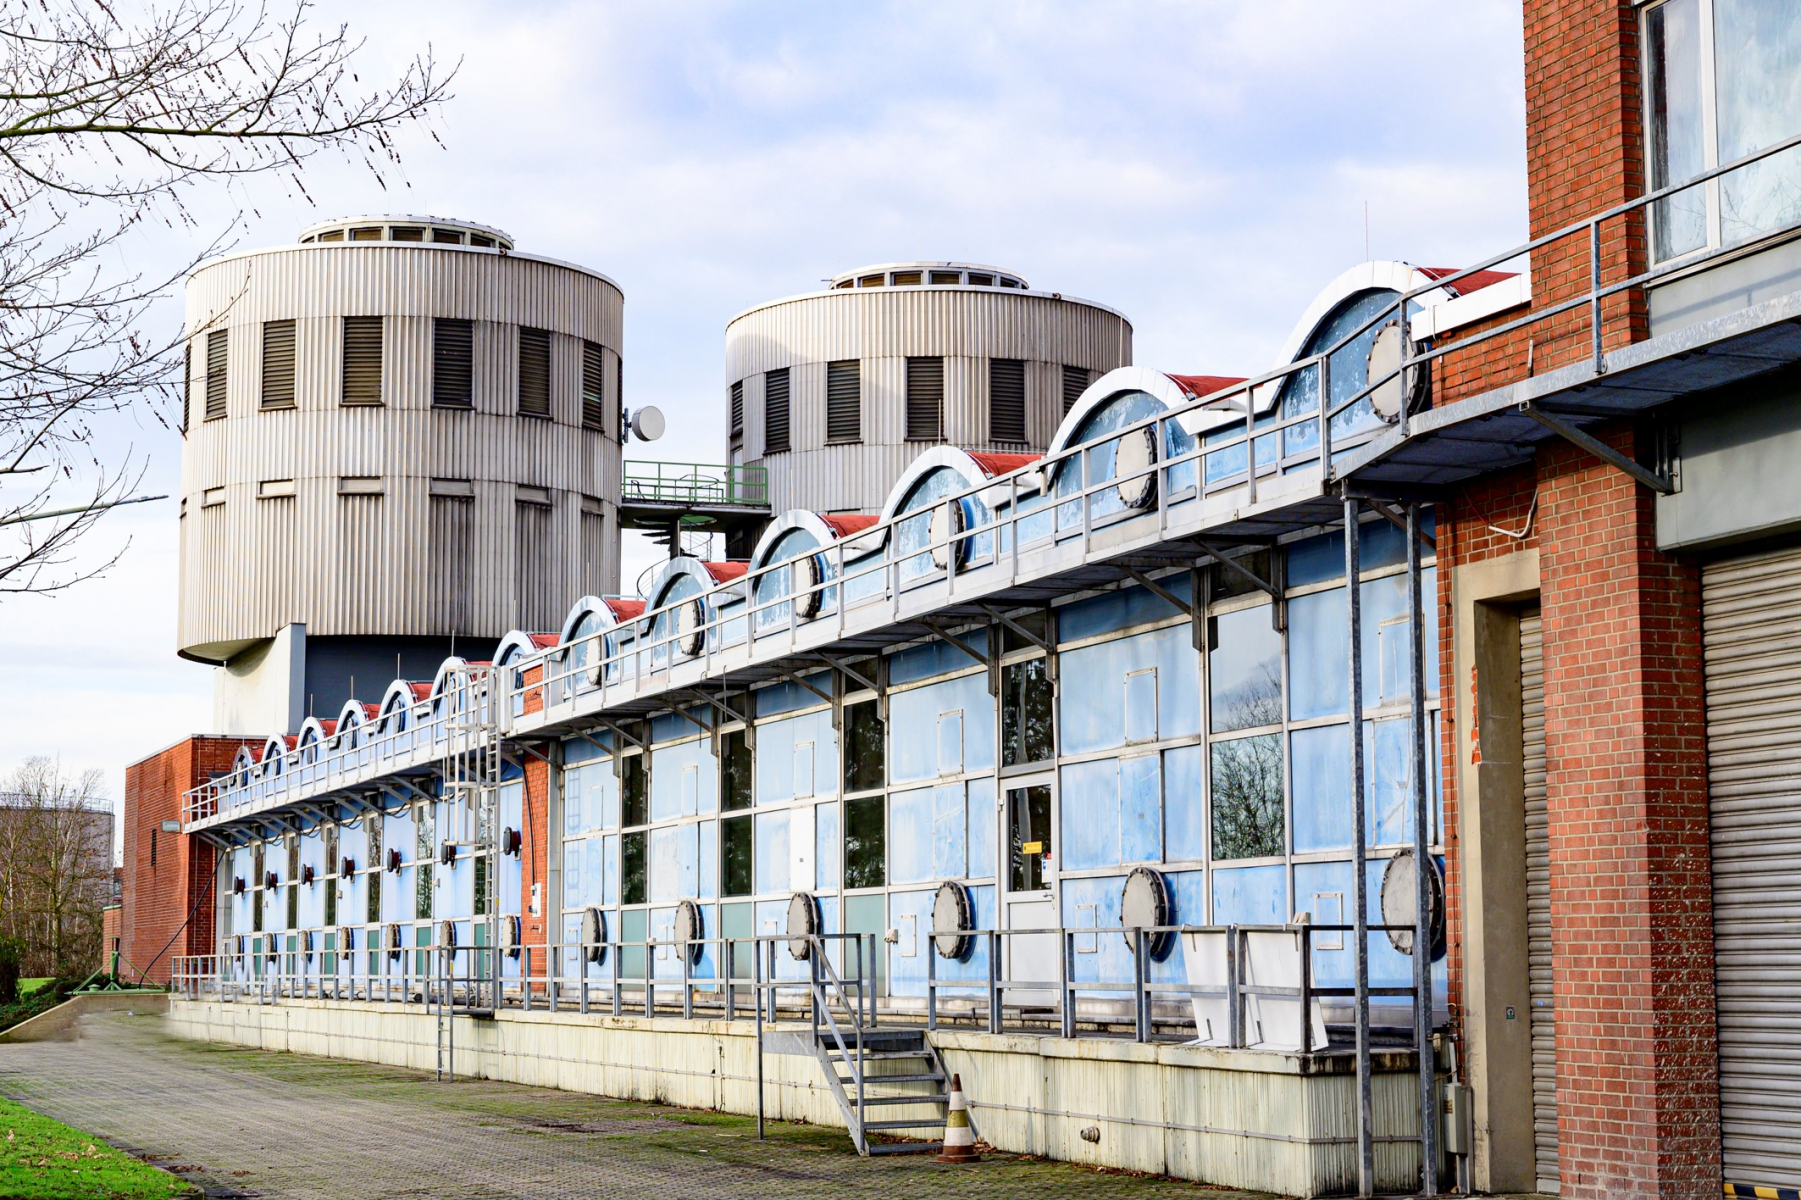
[953, 916]
[1134, 456]
[509, 936]
[946, 523]
[1144, 904]
[803, 924]
[1400, 903]
[803, 584]
[690, 628]
[594, 935]
[690, 928]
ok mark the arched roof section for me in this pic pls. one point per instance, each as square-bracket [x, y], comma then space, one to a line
[313, 731]
[518, 644]
[275, 749]
[607, 612]
[825, 530]
[972, 469]
[401, 695]
[1172, 391]
[356, 712]
[685, 577]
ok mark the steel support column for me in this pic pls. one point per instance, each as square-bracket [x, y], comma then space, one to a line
[1366, 1147]
[1422, 848]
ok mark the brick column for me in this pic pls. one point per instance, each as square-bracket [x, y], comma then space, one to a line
[536, 856]
[1631, 888]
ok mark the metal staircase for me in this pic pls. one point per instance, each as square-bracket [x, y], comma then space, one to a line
[877, 1101]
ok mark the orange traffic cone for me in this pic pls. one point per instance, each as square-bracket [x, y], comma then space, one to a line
[959, 1139]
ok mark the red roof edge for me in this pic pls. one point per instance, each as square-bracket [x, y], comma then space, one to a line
[845, 524]
[625, 610]
[1469, 283]
[725, 572]
[1205, 385]
[999, 464]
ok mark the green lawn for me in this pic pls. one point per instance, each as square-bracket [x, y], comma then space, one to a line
[28, 986]
[41, 1159]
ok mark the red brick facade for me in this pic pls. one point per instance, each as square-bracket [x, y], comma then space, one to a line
[168, 876]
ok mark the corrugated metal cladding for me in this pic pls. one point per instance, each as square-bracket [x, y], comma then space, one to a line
[381, 556]
[1751, 621]
[1538, 900]
[881, 329]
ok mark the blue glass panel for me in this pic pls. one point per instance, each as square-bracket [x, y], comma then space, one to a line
[584, 749]
[1350, 373]
[1318, 656]
[1140, 810]
[910, 816]
[983, 828]
[912, 535]
[1100, 671]
[1089, 797]
[950, 834]
[935, 658]
[597, 882]
[784, 697]
[1097, 464]
[1121, 608]
[1250, 895]
[1186, 821]
[572, 873]
[1390, 789]
[827, 847]
[914, 728]
[1246, 670]
[1321, 888]
[771, 852]
[1320, 766]
[709, 860]
[1094, 904]
[611, 854]
[1188, 906]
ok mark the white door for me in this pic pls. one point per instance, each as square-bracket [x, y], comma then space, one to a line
[1028, 897]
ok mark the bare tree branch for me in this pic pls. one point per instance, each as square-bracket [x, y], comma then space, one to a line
[106, 121]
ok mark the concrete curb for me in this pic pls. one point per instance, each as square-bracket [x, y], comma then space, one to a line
[58, 1024]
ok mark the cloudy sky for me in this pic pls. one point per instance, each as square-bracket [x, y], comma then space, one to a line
[1203, 167]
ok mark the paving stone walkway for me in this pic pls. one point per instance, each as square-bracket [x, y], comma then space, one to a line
[242, 1123]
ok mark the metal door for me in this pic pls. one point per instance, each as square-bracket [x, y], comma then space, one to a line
[1029, 899]
[1538, 901]
[1751, 632]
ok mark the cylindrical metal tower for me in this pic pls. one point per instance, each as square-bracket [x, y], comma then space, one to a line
[399, 432]
[835, 392]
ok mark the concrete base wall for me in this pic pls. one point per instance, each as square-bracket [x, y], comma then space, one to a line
[58, 1024]
[1251, 1119]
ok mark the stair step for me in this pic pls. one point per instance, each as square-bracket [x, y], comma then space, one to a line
[880, 1055]
[867, 1125]
[905, 1147]
[872, 1101]
[874, 1079]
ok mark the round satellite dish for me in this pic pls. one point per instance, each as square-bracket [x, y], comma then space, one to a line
[946, 523]
[647, 423]
[952, 918]
[803, 580]
[1144, 904]
[690, 628]
[594, 935]
[1134, 455]
[1399, 907]
[509, 936]
[803, 924]
[1390, 398]
[690, 928]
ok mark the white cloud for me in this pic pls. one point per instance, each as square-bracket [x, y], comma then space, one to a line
[1202, 167]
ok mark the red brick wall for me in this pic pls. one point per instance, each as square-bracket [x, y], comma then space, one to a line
[159, 896]
[1630, 865]
[536, 856]
[1584, 154]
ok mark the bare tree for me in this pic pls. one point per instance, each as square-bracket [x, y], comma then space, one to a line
[108, 116]
[56, 866]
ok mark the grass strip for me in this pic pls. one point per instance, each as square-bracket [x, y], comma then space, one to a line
[41, 1159]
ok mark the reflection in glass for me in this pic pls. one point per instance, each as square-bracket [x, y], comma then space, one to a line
[863, 747]
[632, 868]
[864, 843]
[634, 789]
[735, 859]
[1350, 374]
[1757, 90]
[1028, 837]
[1247, 797]
[1026, 713]
[1678, 147]
[735, 770]
[1244, 669]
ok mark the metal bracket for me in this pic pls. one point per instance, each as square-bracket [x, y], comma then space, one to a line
[1016, 627]
[1595, 446]
[991, 661]
[690, 717]
[1162, 593]
[797, 681]
[1399, 521]
[614, 728]
[849, 672]
[939, 633]
[718, 702]
[1278, 609]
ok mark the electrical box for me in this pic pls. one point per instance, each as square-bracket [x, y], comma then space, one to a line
[1458, 1123]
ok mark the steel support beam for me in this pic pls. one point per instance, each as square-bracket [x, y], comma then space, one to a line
[1366, 1117]
[1595, 446]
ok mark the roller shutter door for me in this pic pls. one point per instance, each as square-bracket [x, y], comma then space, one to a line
[1752, 654]
[1538, 901]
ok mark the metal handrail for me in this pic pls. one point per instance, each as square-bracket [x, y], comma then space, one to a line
[695, 483]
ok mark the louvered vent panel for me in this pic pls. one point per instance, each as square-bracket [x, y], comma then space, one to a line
[844, 401]
[452, 364]
[217, 343]
[1075, 382]
[534, 372]
[1006, 400]
[738, 409]
[925, 399]
[362, 360]
[594, 386]
[775, 411]
[278, 364]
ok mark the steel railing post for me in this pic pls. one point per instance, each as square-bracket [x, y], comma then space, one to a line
[1366, 1152]
[1066, 985]
[994, 981]
[1423, 933]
